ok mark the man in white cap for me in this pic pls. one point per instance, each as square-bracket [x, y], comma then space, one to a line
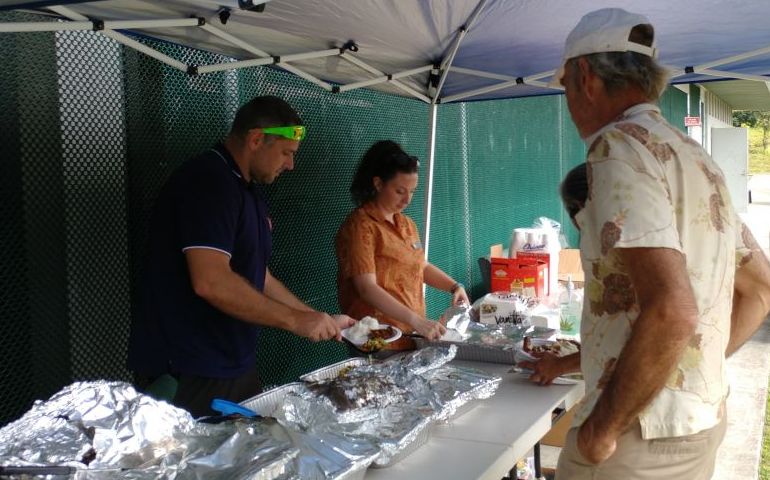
[674, 280]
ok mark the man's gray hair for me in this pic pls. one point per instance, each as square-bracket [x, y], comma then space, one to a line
[619, 70]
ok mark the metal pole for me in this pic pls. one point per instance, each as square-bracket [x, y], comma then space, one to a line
[446, 64]
[360, 63]
[429, 178]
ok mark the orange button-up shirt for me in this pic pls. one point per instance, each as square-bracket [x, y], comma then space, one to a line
[367, 243]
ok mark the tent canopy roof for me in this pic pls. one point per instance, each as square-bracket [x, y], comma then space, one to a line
[505, 39]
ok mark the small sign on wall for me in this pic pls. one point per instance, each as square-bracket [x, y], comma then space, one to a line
[692, 121]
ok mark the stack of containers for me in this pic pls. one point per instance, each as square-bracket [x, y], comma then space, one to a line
[540, 244]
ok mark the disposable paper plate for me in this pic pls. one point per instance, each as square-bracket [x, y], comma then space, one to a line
[396, 335]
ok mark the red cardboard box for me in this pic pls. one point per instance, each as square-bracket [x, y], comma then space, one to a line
[544, 257]
[527, 276]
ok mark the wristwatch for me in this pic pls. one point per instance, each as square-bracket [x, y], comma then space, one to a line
[455, 287]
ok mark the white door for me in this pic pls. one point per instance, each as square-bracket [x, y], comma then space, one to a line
[730, 149]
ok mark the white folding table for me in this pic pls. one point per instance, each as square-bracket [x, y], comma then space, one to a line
[486, 442]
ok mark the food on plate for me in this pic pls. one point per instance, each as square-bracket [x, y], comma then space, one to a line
[359, 332]
[374, 344]
[560, 347]
[385, 332]
[370, 335]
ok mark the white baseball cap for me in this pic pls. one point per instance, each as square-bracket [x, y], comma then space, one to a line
[604, 30]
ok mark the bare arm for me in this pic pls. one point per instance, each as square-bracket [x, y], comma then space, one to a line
[376, 296]
[214, 281]
[436, 278]
[667, 304]
[751, 296]
[550, 366]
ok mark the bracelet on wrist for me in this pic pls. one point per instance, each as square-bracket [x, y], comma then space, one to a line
[455, 287]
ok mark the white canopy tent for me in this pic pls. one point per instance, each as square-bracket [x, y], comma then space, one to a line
[436, 51]
[469, 49]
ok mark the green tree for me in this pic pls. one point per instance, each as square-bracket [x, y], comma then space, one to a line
[754, 119]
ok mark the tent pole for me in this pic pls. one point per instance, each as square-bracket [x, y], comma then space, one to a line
[531, 80]
[446, 64]
[96, 25]
[360, 63]
[429, 178]
[734, 58]
[742, 76]
[384, 78]
[125, 40]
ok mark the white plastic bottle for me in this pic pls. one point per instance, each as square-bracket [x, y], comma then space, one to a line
[570, 310]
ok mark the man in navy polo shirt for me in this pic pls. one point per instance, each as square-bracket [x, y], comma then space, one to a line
[206, 288]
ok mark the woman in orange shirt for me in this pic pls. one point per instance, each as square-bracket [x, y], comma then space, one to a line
[381, 261]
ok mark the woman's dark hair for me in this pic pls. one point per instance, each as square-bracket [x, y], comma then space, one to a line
[574, 190]
[384, 159]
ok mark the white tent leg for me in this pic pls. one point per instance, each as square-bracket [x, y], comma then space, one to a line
[429, 177]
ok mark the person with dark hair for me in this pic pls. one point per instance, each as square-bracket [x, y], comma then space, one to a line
[206, 289]
[574, 193]
[381, 261]
[675, 281]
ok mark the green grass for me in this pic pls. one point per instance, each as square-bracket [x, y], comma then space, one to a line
[764, 464]
[759, 160]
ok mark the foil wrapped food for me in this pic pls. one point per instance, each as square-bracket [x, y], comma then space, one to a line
[393, 402]
[324, 453]
[330, 429]
[456, 388]
[396, 430]
[425, 359]
[104, 430]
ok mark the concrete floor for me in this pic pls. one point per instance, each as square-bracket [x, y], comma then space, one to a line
[749, 370]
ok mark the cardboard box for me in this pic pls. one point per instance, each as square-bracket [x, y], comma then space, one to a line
[569, 264]
[501, 307]
[544, 257]
[558, 433]
[526, 276]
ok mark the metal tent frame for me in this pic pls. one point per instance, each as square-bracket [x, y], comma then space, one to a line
[123, 29]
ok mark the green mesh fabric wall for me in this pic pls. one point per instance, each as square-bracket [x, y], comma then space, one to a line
[498, 167]
[62, 128]
[33, 298]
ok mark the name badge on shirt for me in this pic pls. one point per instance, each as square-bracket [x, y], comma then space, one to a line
[417, 245]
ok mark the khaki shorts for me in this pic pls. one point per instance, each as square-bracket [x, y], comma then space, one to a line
[684, 458]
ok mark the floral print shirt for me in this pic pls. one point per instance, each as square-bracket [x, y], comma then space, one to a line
[650, 185]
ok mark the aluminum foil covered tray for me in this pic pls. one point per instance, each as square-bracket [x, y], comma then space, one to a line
[383, 401]
[106, 430]
[325, 453]
[458, 390]
[490, 343]
[393, 402]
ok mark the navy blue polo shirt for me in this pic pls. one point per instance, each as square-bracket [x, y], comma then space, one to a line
[205, 204]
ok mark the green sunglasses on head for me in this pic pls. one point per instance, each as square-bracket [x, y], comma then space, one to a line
[296, 132]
